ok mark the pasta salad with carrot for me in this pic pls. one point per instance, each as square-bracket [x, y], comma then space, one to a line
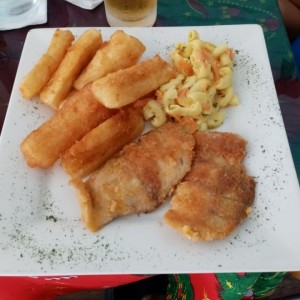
[203, 86]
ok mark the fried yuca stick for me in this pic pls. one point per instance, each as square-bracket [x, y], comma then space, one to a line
[77, 57]
[79, 114]
[120, 52]
[102, 142]
[125, 86]
[40, 74]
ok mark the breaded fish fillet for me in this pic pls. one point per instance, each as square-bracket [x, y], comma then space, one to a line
[217, 194]
[139, 179]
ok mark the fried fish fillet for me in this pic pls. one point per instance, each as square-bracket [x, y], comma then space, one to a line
[217, 194]
[139, 179]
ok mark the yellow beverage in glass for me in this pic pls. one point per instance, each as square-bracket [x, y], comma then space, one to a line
[131, 12]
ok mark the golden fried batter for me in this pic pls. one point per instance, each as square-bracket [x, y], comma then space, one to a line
[139, 179]
[217, 194]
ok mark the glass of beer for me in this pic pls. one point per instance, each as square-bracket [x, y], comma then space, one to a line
[124, 13]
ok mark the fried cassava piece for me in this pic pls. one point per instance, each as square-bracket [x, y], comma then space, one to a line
[42, 71]
[78, 116]
[120, 52]
[125, 86]
[102, 142]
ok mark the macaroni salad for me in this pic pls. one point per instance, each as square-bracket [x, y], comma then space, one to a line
[203, 86]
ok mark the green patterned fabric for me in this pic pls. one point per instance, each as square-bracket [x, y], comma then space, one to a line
[266, 284]
[234, 286]
[220, 12]
[223, 286]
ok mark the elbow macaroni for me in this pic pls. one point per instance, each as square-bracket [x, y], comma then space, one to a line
[153, 111]
[203, 86]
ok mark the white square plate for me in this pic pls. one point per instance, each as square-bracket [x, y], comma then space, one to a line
[40, 227]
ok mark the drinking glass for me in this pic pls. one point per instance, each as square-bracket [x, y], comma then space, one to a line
[131, 12]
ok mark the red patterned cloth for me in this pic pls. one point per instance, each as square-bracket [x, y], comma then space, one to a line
[47, 287]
